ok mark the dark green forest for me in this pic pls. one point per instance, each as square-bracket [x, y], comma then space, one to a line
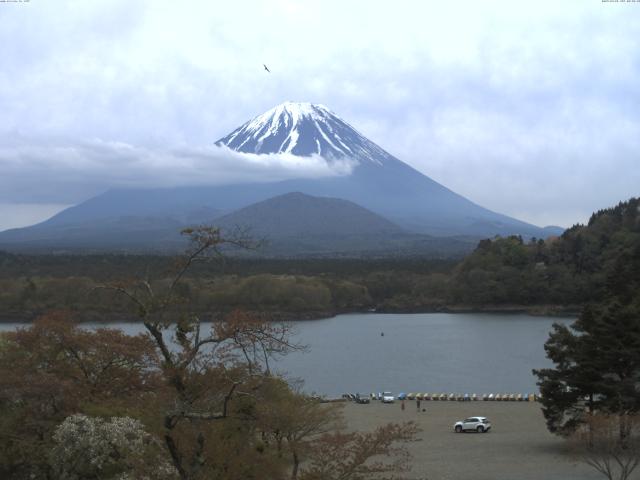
[578, 267]
[555, 275]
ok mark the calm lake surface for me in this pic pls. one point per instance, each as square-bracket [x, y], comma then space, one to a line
[433, 352]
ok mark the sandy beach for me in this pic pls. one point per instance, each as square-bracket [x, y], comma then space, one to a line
[519, 447]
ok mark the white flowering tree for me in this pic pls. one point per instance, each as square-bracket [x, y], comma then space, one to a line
[113, 449]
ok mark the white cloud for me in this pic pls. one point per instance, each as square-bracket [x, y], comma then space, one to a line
[70, 172]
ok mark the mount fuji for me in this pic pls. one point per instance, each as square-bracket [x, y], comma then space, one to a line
[378, 182]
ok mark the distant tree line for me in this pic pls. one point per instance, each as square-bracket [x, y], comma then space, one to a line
[567, 271]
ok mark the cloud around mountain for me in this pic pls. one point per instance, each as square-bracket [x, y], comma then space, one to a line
[66, 172]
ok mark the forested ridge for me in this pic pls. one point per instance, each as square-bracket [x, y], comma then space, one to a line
[558, 273]
[571, 269]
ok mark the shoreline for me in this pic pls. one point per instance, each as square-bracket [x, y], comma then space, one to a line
[560, 311]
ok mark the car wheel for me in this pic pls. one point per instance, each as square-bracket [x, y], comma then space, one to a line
[458, 429]
[480, 429]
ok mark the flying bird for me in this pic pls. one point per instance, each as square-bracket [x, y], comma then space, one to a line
[265, 67]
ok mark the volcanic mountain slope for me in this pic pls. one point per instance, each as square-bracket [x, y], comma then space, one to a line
[289, 225]
[378, 182]
[299, 215]
[296, 224]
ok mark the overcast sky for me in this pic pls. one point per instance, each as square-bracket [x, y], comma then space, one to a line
[528, 108]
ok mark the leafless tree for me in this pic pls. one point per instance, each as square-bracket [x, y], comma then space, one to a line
[601, 445]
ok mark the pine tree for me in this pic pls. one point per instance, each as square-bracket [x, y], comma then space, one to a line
[597, 367]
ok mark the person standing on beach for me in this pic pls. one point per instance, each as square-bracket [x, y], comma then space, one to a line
[402, 404]
[418, 404]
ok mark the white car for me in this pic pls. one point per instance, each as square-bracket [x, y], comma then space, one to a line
[387, 397]
[473, 424]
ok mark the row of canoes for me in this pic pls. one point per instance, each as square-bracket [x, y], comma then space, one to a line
[466, 397]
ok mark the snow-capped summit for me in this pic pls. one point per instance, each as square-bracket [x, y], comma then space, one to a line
[303, 129]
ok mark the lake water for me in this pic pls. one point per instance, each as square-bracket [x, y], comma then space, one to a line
[433, 352]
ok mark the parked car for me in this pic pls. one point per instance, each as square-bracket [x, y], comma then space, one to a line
[362, 398]
[473, 424]
[387, 397]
